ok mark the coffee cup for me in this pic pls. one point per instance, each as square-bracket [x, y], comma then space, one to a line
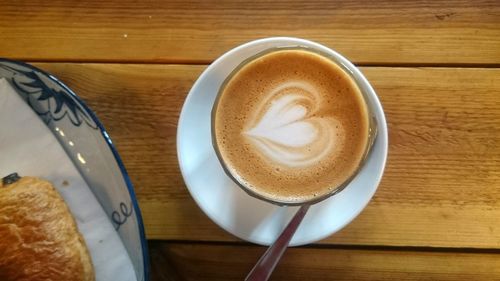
[291, 125]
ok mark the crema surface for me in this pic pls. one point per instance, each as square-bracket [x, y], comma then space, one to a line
[291, 125]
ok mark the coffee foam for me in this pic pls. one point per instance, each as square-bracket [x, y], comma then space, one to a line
[285, 129]
[291, 125]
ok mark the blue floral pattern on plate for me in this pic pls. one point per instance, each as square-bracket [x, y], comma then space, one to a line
[49, 102]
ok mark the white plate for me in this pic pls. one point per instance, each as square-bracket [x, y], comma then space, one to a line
[48, 132]
[227, 204]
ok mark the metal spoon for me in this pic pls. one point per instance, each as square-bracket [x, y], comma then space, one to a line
[266, 264]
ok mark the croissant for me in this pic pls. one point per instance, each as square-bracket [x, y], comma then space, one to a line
[39, 239]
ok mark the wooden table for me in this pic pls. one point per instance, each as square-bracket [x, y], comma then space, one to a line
[434, 64]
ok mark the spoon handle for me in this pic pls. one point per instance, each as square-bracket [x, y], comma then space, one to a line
[266, 264]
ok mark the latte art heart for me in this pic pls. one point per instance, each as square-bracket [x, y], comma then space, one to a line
[288, 130]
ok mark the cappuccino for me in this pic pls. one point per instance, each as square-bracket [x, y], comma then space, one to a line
[290, 126]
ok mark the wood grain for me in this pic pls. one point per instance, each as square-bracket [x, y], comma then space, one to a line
[231, 262]
[441, 187]
[367, 32]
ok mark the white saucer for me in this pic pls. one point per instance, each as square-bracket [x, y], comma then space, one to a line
[227, 204]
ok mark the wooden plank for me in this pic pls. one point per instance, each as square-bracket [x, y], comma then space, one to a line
[230, 262]
[442, 182]
[367, 32]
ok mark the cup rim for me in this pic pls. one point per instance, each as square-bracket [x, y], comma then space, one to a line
[357, 77]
